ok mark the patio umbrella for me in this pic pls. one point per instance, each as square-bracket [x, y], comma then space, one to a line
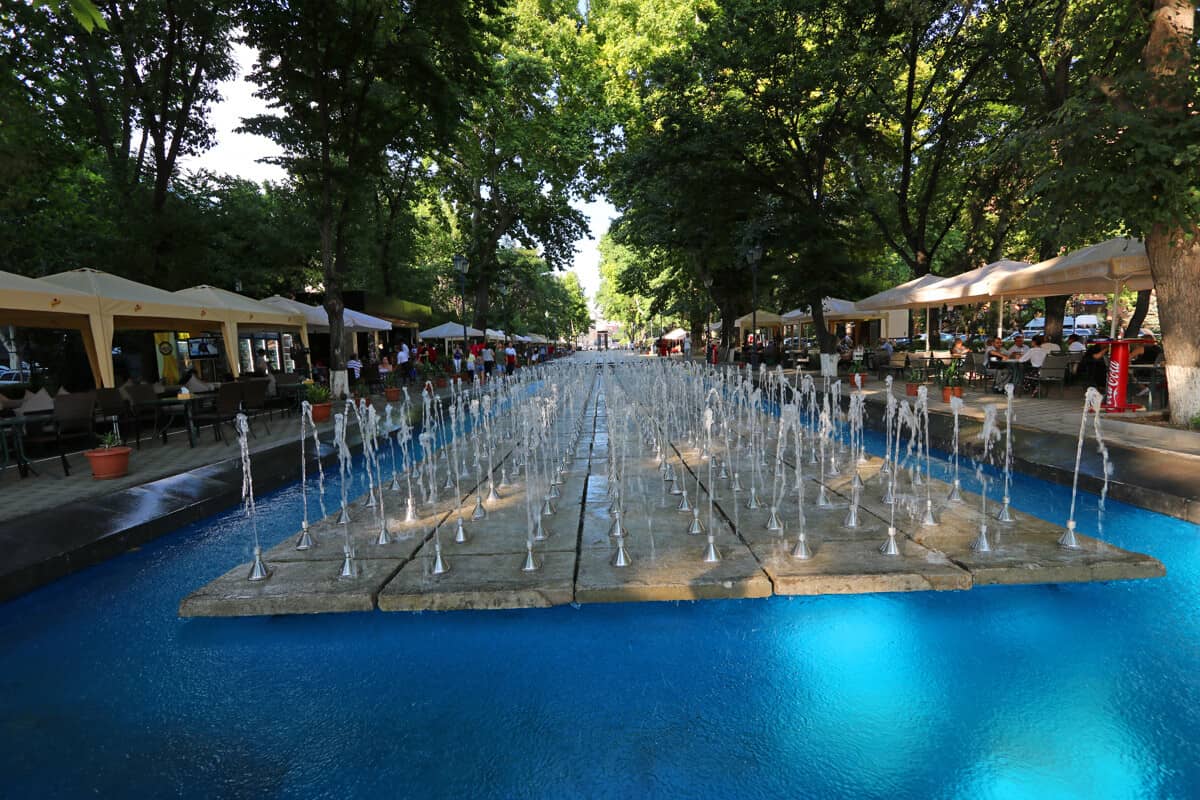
[449, 330]
[1103, 267]
[675, 335]
[976, 286]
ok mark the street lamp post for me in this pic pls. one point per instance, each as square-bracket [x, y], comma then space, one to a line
[461, 265]
[754, 256]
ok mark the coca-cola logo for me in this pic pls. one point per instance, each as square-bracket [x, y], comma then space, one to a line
[1114, 383]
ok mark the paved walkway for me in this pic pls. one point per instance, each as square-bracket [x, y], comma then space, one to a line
[50, 488]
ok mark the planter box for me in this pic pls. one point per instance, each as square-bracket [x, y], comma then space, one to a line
[910, 389]
[392, 393]
[110, 462]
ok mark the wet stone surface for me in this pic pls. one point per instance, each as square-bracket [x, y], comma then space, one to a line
[614, 469]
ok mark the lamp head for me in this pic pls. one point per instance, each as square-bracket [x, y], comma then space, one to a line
[461, 265]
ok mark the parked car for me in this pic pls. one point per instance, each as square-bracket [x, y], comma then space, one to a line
[13, 377]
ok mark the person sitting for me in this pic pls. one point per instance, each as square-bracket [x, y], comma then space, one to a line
[385, 366]
[1075, 344]
[959, 349]
[1029, 363]
[1018, 347]
[1093, 366]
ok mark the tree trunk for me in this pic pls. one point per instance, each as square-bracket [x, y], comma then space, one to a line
[1140, 309]
[1056, 307]
[1174, 258]
[1175, 265]
[483, 304]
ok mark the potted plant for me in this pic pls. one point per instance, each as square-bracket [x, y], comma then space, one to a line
[858, 368]
[439, 375]
[952, 380]
[913, 382]
[318, 397]
[391, 387]
[110, 459]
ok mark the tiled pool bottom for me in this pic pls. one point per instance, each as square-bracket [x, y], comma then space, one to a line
[1089, 691]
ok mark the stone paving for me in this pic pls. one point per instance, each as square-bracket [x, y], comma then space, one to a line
[575, 562]
[51, 488]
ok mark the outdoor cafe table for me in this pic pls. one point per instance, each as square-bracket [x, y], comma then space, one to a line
[186, 404]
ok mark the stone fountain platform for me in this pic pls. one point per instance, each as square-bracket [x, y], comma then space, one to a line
[575, 560]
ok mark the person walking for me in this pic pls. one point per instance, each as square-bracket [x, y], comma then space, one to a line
[457, 359]
[354, 366]
[510, 358]
[489, 360]
[402, 356]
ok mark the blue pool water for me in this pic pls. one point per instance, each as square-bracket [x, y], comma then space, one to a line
[1072, 691]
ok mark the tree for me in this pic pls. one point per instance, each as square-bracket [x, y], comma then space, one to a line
[139, 91]
[354, 79]
[1130, 154]
[526, 150]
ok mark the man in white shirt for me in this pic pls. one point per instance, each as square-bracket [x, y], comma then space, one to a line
[1075, 344]
[402, 357]
[1018, 348]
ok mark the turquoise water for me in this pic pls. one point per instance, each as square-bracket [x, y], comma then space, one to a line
[1062, 691]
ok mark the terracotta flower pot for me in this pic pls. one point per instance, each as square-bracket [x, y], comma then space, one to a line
[910, 389]
[109, 462]
[392, 393]
[862, 378]
[951, 391]
[440, 383]
[321, 411]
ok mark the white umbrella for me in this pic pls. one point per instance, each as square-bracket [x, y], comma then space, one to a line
[494, 334]
[318, 319]
[675, 335]
[449, 330]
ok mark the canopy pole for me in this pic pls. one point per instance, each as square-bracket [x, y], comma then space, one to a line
[1000, 324]
[1116, 308]
[928, 333]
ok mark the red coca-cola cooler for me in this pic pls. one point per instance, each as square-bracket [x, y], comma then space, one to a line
[1117, 383]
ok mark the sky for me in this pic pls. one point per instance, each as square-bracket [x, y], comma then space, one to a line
[239, 154]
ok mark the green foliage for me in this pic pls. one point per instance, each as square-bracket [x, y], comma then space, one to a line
[109, 440]
[951, 374]
[316, 393]
[527, 147]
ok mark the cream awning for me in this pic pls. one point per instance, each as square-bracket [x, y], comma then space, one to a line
[766, 319]
[128, 304]
[898, 297]
[1103, 267]
[976, 286]
[675, 335]
[238, 312]
[31, 303]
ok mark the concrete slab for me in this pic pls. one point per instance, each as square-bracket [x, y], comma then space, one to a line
[481, 582]
[294, 587]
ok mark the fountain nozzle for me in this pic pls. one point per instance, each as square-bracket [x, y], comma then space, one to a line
[258, 571]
